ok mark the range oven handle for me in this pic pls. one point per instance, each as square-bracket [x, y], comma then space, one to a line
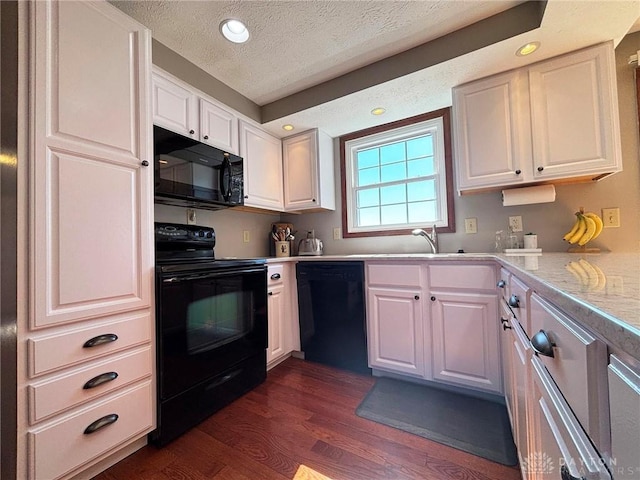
[204, 276]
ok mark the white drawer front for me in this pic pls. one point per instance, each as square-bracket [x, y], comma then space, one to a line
[65, 391]
[61, 447]
[468, 277]
[578, 367]
[400, 275]
[65, 349]
[275, 275]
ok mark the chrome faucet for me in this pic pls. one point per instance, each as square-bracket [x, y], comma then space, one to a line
[431, 239]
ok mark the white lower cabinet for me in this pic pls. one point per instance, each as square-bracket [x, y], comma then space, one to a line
[624, 402]
[284, 335]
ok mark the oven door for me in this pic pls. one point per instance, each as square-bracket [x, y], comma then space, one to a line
[208, 321]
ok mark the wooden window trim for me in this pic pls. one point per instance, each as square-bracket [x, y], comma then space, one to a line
[445, 114]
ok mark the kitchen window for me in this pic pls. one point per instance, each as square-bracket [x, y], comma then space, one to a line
[398, 176]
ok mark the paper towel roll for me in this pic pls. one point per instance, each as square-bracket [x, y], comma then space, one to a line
[527, 195]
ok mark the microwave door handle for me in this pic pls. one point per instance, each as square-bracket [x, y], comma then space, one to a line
[225, 189]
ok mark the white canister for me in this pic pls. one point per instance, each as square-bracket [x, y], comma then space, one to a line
[530, 241]
[282, 249]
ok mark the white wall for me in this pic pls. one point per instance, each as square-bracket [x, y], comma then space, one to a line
[549, 221]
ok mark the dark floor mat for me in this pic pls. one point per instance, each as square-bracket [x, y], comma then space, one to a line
[474, 425]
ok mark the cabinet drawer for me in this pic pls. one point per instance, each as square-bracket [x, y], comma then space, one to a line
[563, 440]
[275, 275]
[61, 447]
[471, 277]
[53, 352]
[399, 275]
[65, 391]
[578, 367]
[519, 299]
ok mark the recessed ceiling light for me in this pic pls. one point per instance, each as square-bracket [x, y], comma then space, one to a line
[234, 31]
[528, 49]
[287, 127]
[378, 111]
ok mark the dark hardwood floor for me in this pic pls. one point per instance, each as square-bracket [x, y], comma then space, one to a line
[301, 424]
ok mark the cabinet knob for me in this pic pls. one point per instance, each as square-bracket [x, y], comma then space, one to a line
[540, 169]
[518, 172]
[501, 284]
[313, 200]
[275, 276]
[417, 297]
[505, 327]
[144, 163]
[246, 196]
[192, 132]
[206, 137]
[433, 299]
[503, 320]
[270, 293]
[542, 344]
[514, 301]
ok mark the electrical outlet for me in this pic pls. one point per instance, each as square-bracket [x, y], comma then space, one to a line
[611, 217]
[515, 223]
[337, 233]
[471, 225]
[245, 236]
[191, 216]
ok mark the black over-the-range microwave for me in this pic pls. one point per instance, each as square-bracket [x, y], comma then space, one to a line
[189, 173]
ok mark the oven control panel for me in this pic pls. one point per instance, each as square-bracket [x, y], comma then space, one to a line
[176, 234]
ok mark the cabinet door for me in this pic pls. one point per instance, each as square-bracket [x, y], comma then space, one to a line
[276, 305]
[394, 321]
[175, 107]
[218, 127]
[91, 195]
[262, 155]
[300, 154]
[465, 340]
[492, 132]
[624, 401]
[574, 111]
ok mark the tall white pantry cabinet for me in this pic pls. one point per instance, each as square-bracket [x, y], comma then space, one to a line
[86, 342]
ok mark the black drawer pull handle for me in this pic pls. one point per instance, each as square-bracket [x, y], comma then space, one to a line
[503, 320]
[542, 344]
[514, 302]
[275, 276]
[505, 327]
[270, 293]
[100, 379]
[100, 339]
[501, 284]
[101, 423]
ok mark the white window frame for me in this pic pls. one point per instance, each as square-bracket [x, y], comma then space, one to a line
[433, 126]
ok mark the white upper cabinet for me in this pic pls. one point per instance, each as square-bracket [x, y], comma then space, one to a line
[493, 140]
[262, 154]
[557, 119]
[91, 173]
[308, 171]
[182, 109]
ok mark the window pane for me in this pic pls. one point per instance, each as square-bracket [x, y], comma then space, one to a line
[369, 197]
[367, 158]
[394, 214]
[392, 153]
[393, 194]
[425, 190]
[368, 176]
[394, 172]
[420, 147]
[369, 216]
[423, 212]
[421, 167]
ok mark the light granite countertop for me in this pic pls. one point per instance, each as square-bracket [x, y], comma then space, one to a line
[601, 291]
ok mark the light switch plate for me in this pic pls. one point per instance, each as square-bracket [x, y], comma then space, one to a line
[245, 236]
[337, 233]
[471, 225]
[611, 217]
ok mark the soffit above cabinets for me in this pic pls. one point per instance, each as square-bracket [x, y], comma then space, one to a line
[326, 64]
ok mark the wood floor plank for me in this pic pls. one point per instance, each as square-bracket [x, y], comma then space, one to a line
[302, 421]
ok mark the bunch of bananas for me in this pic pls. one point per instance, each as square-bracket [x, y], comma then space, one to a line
[586, 228]
[588, 275]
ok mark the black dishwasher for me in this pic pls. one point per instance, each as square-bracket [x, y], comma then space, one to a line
[331, 309]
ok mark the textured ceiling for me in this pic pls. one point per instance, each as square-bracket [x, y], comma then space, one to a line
[299, 44]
